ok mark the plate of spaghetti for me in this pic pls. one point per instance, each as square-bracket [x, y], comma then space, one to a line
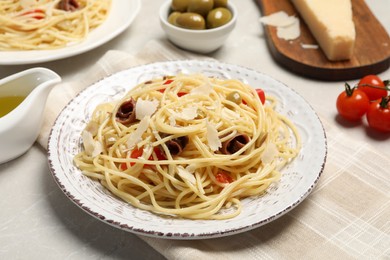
[187, 149]
[35, 31]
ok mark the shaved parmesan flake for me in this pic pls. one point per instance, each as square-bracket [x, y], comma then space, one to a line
[188, 113]
[309, 46]
[269, 153]
[212, 137]
[205, 89]
[290, 32]
[136, 136]
[145, 108]
[277, 19]
[92, 127]
[186, 175]
[287, 27]
[92, 148]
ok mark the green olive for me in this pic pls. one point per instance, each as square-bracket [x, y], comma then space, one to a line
[220, 3]
[201, 7]
[218, 17]
[179, 5]
[191, 21]
[172, 17]
[234, 97]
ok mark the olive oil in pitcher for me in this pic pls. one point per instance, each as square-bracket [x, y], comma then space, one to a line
[9, 103]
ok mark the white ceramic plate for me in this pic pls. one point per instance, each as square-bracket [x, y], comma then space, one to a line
[121, 16]
[298, 179]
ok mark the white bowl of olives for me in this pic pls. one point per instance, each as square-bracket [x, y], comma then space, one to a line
[198, 25]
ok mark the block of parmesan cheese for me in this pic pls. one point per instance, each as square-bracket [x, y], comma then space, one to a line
[330, 22]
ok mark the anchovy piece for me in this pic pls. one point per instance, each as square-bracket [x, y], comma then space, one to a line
[68, 5]
[177, 145]
[234, 144]
[126, 112]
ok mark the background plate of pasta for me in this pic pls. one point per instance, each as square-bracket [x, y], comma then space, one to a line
[187, 149]
[35, 31]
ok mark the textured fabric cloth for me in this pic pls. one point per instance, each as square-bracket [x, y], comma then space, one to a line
[347, 216]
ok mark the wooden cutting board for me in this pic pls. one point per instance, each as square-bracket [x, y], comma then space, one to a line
[371, 53]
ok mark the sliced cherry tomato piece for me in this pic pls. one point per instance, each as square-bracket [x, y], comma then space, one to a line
[137, 152]
[160, 155]
[180, 94]
[169, 81]
[223, 177]
[261, 95]
[373, 86]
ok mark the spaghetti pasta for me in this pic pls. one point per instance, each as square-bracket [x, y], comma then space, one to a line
[182, 146]
[48, 24]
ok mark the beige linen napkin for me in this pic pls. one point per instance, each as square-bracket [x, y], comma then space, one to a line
[347, 216]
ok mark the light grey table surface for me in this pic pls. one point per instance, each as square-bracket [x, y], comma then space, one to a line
[37, 221]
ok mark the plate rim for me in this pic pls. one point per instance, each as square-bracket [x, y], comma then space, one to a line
[187, 235]
[70, 51]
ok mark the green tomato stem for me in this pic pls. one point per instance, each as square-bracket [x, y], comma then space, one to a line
[348, 89]
[386, 87]
[384, 102]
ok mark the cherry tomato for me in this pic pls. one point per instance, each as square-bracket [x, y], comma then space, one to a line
[169, 81]
[160, 154]
[373, 86]
[352, 103]
[180, 94]
[223, 177]
[378, 115]
[137, 152]
[261, 95]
